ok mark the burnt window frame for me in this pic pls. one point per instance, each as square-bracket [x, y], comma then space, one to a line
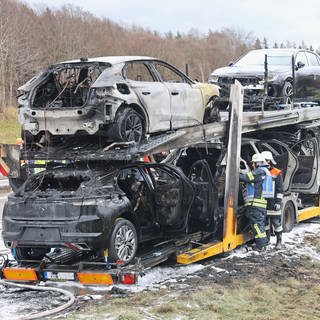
[146, 64]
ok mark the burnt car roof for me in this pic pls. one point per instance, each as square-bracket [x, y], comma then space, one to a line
[71, 180]
[112, 59]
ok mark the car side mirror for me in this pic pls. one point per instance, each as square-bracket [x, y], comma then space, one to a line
[230, 64]
[300, 65]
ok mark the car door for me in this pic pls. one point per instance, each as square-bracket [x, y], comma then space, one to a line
[186, 101]
[206, 201]
[307, 176]
[308, 77]
[173, 196]
[153, 94]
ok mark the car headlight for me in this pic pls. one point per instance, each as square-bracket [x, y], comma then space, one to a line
[213, 78]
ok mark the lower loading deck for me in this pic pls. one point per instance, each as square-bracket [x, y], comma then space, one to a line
[67, 265]
[101, 273]
[88, 269]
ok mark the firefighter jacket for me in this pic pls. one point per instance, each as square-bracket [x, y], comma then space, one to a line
[278, 192]
[255, 178]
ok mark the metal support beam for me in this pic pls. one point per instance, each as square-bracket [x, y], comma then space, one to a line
[232, 168]
[230, 238]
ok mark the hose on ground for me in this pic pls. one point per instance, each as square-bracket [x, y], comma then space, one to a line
[42, 314]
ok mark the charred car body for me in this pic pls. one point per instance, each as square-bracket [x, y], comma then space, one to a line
[119, 208]
[123, 98]
[284, 75]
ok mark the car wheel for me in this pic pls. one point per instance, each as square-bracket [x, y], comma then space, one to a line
[130, 126]
[287, 92]
[30, 253]
[123, 241]
[288, 217]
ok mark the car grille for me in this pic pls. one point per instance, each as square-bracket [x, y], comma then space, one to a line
[243, 80]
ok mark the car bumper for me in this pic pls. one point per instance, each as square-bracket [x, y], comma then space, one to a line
[48, 235]
[51, 224]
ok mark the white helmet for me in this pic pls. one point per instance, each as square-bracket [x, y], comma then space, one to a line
[268, 156]
[257, 157]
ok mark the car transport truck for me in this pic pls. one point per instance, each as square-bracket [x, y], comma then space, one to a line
[97, 214]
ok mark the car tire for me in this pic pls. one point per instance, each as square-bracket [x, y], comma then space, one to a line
[123, 243]
[287, 92]
[129, 126]
[30, 253]
[288, 218]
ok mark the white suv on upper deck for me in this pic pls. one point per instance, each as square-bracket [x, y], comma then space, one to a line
[120, 97]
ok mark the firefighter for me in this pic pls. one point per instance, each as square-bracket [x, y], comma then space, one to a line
[255, 202]
[273, 219]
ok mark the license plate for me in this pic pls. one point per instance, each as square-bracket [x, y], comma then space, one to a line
[253, 87]
[48, 275]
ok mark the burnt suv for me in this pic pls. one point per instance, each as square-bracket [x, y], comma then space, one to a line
[291, 74]
[110, 206]
[122, 98]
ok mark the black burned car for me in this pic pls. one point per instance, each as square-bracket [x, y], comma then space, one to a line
[291, 74]
[109, 206]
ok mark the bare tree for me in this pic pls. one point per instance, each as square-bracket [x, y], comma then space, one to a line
[32, 39]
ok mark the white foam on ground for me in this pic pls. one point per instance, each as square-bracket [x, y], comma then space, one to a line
[9, 310]
[159, 275]
[219, 270]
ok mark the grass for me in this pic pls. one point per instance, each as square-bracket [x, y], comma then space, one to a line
[247, 299]
[9, 127]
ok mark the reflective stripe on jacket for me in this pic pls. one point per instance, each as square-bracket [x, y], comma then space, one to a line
[253, 195]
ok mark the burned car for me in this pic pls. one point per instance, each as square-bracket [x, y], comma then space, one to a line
[120, 97]
[291, 74]
[91, 208]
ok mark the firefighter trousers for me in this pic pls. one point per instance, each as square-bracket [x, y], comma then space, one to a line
[273, 223]
[256, 218]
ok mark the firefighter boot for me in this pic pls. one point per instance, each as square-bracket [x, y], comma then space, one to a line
[279, 241]
[268, 236]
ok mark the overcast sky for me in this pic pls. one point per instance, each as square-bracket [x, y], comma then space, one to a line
[277, 20]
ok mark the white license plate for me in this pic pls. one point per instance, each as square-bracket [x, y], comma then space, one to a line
[59, 275]
[253, 87]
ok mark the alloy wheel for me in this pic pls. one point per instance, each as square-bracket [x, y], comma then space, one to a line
[125, 243]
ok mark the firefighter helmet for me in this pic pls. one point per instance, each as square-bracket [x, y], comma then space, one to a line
[268, 156]
[257, 157]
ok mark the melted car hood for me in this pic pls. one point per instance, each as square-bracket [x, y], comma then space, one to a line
[253, 70]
